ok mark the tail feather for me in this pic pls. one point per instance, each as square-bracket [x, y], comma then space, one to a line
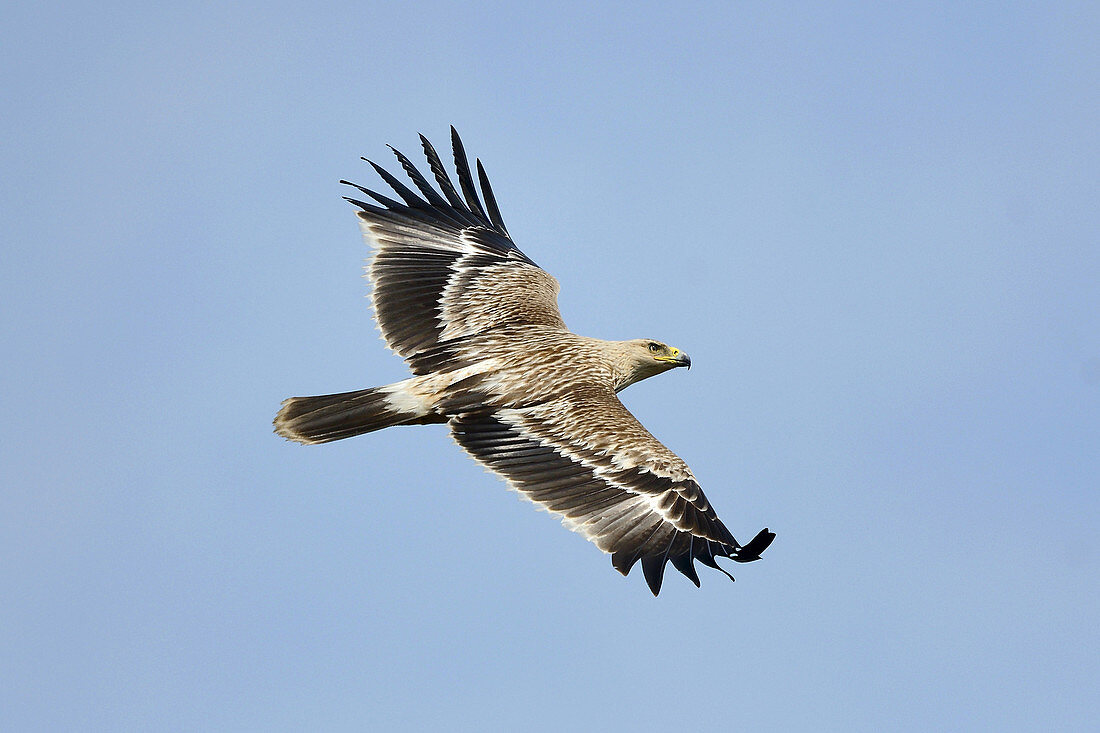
[325, 418]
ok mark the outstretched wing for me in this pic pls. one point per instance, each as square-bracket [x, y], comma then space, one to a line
[444, 265]
[587, 459]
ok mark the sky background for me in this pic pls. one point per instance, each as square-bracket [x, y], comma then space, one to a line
[875, 227]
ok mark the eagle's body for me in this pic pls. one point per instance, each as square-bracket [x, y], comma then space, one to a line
[478, 323]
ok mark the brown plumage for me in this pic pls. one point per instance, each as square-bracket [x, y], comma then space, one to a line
[478, 323]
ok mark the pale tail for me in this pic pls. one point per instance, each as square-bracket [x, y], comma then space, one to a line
[325, 418]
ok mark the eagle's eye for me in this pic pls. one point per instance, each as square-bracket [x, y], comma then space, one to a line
[654, 348]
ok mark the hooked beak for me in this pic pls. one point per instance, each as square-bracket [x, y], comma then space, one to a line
[677, 358]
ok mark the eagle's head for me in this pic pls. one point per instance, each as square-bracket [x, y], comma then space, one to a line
[642, 358]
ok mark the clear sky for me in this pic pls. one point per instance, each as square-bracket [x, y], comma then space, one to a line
[874, 226]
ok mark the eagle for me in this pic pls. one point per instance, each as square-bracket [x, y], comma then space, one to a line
[477, 321]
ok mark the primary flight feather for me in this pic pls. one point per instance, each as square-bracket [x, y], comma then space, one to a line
[478, 323]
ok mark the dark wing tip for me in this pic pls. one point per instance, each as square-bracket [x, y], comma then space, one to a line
[490, 199]
[653, 567]
[451, 208]
[441, 177]
[429, 193]
[384, 200]
[624, 561]
[705, 551]
[465, 180]
[684, 564]
[752, 551]
[407, 195]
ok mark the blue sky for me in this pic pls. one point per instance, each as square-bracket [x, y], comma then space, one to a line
[874, 227]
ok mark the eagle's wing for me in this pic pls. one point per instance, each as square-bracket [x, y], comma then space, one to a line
[444, 265]
[587, 459]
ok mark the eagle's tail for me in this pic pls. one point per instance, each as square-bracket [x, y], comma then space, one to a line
[325, 418]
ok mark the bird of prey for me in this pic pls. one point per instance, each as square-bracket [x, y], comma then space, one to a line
[478, 323]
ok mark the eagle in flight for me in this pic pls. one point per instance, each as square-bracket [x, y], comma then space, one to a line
[478, 323]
